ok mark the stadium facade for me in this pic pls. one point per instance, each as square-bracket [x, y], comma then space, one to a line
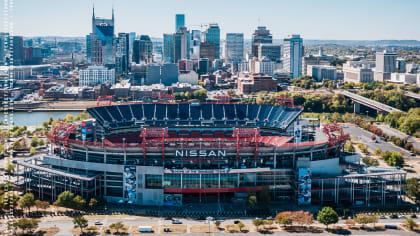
[174, 153]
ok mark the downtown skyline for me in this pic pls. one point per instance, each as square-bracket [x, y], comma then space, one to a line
[327, 20]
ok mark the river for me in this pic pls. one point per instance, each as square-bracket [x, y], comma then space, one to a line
[36, 118]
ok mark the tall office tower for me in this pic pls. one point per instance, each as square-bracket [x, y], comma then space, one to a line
[400, 64]
[181, 44]
[208, 50]
[102, 41]
[143, 49]
[122, 53]
[3, 38]
[179, 21]
[385, 62]
[269, 51]
[261, 35]
[168, 48]
[18, 53]
[131, 39]
[234, 48]
[292, 55]
[195, 44]
[212, 35]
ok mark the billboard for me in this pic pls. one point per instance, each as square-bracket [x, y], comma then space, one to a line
[304, 186]
[172, 200]
[130, 183]
[298, 133]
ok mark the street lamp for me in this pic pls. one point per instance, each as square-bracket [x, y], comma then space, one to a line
[367, 116]
[209, 219]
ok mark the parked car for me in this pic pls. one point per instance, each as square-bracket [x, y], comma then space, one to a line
[413, 216]
[403, 217]
[98, 222]
[382, 217]
[393, 216]
[176, 222]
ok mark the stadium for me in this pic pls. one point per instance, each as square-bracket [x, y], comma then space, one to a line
[169, 153]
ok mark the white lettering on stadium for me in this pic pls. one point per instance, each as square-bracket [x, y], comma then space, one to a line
[200, 153]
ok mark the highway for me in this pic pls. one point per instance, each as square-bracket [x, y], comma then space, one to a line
[367, 102]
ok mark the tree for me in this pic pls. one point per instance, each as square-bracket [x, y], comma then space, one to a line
[32, 151]
[8, 201]
[252, 201]
[81, 222]
[10, 167]
[410, 223]
[42, 204]
[284, 218]
[34, 142]
[79, 202]
[27, 201]
[240, 225]
[93, 203]
[257, 223]
[65, 199]
[26, 225]
[364, 219]
[327, 216]
[378, 151]
[413, 189]
[302, 217]
[117, 226]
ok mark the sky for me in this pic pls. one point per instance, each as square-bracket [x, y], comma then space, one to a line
[312, 19]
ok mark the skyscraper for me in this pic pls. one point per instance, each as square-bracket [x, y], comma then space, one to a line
[102, 41]
[234, 48]
[212, 35]
[181, 44]
[386, 62]
[18, 53]
[131, 39]
[168, 48]
[261, 35]
[292, 55]
[179, 21]
[122, 53]
[143, 49]
[270, 51]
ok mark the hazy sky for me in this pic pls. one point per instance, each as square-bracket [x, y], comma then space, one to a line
[313, 19]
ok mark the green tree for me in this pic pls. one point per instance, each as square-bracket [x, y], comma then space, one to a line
[27, 201]
[79, 202]
[378, 151]
[65, 199]
[26, 225]
[10, 167]
[327, 216]
[413, 189]
[8, 201]
[240, 225]
[81, 222]
[34, 142]
[32, 151]
[284, 218]
[257, 223]
[410, 223]
[252, 201]
[93, 203]
[117, 226]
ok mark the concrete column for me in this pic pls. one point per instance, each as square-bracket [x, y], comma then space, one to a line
[356, 107]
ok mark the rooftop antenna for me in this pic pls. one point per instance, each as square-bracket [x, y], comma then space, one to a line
[112, 12]
[93, 11]
[259, 21]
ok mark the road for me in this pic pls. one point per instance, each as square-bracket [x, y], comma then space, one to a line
[65, 225]
[365, 137]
